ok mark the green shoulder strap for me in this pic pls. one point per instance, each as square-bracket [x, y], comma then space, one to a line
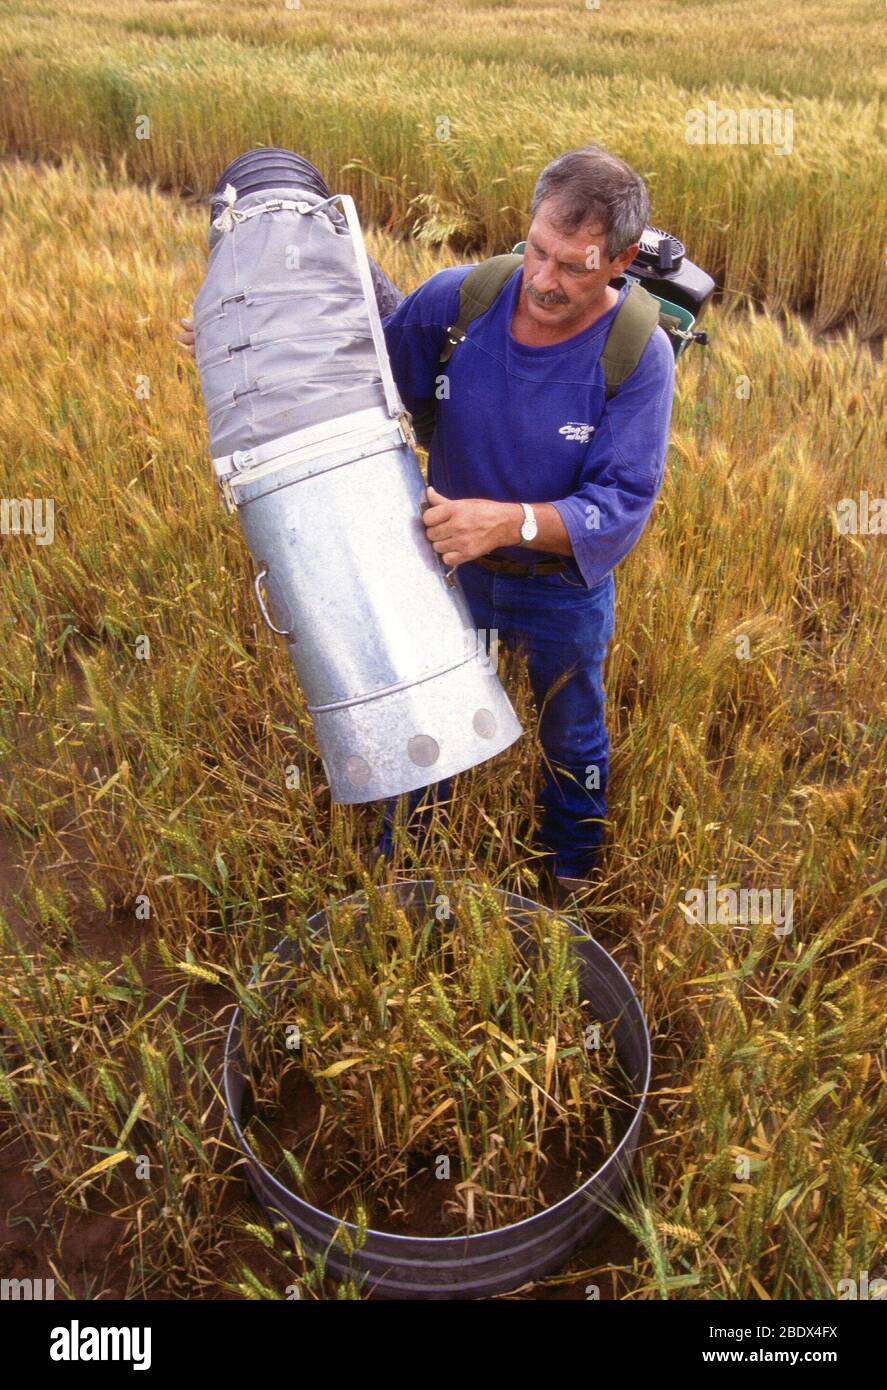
[476, 293]
[629, 334]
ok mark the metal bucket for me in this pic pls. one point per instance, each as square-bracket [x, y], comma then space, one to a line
[321, 471]
[489, 1262]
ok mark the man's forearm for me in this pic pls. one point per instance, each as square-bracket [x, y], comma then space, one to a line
[552, 534]
[466, 528]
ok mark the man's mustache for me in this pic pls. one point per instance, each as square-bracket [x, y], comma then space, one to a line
[552, 297]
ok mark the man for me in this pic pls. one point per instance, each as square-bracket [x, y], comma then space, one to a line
[538, 485]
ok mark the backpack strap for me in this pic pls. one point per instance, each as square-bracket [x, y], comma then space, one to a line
[476, 293]
[629, 334]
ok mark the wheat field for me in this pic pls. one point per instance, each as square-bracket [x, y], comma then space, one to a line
[366, 91]
[151, 842]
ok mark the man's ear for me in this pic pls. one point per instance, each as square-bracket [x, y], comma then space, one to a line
[624, 259]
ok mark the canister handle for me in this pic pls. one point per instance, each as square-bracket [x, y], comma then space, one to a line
[257, 590]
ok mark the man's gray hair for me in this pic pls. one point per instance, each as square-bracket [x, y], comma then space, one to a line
[591, 185]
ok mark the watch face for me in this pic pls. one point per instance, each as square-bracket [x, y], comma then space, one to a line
[529, 530]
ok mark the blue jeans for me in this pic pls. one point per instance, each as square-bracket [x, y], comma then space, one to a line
[562, 626]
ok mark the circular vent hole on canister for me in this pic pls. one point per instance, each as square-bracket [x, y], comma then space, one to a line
[357, 770]
[484, 722]
[423, 750]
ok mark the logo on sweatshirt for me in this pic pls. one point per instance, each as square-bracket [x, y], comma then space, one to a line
[575, 432]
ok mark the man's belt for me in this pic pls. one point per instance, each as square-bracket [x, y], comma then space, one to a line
[502, 566]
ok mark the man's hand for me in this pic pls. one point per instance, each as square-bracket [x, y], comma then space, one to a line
[185, 334]
[470, 527]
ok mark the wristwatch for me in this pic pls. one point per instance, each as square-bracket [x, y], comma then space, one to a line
[529, 530]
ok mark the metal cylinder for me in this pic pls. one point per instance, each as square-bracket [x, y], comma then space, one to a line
[489, 1262]
[314, 452]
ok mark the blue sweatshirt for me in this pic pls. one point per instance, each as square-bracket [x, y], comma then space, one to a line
[530, 424]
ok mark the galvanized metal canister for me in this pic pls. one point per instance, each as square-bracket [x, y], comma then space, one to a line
[314, 452]
[489, 1262]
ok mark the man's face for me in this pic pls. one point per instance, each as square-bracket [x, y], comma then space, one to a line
[565, 276]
